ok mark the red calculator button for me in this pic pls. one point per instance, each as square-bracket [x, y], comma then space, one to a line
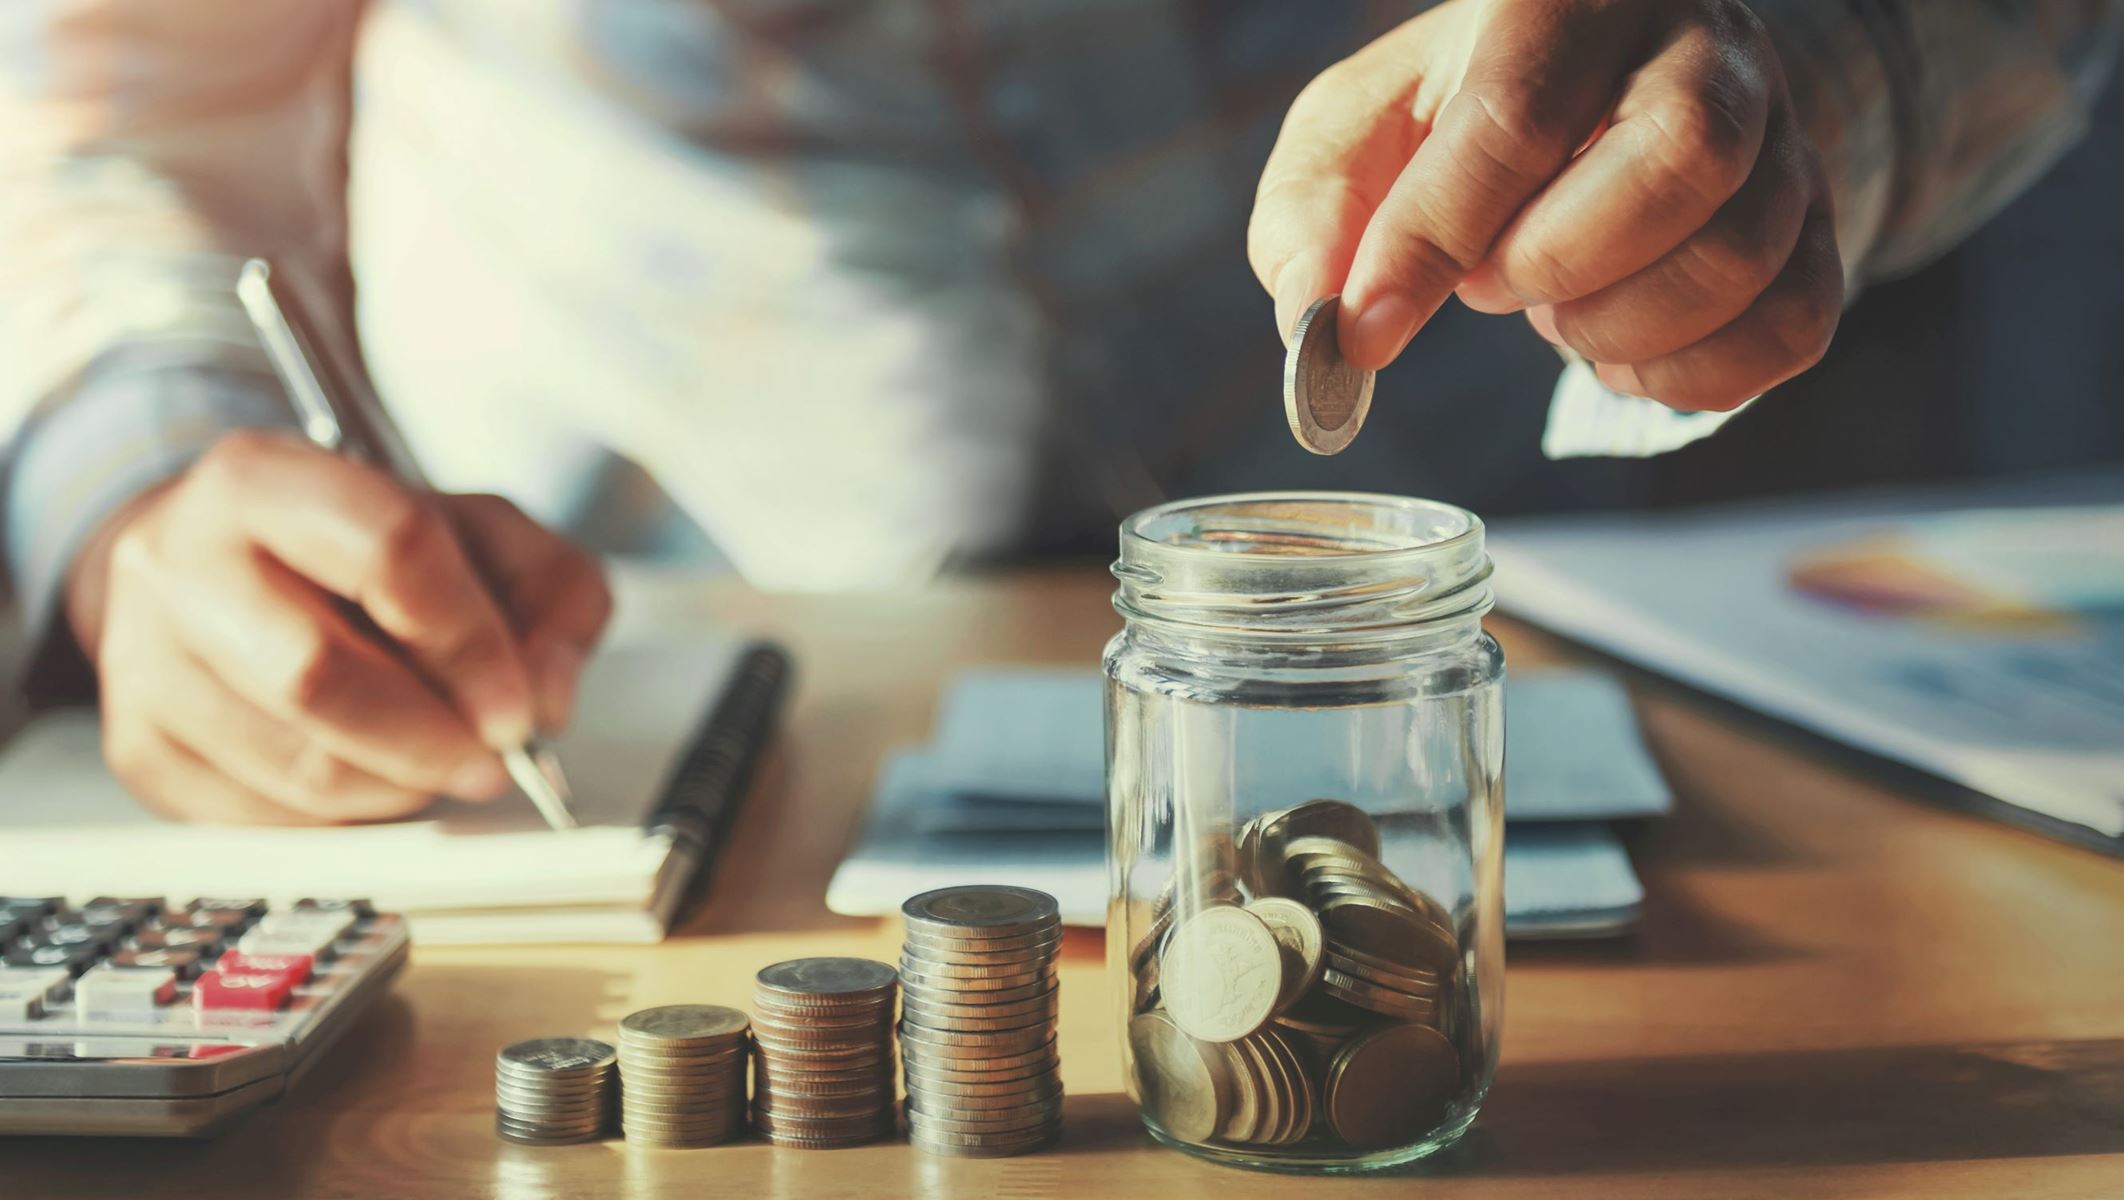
[218, 990]
[295, 967]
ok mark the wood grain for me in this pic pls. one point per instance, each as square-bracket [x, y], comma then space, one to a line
[1839, 990]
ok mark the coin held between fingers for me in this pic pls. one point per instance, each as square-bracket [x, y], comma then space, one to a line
[1325, 398]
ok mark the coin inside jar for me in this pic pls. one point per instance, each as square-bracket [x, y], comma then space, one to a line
[1391, 1085]
[1222, 974]
[1297, 931]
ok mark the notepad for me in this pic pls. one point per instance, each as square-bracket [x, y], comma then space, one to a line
[463, 873]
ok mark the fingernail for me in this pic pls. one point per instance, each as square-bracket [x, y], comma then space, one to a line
[501, 707]
[1485, 292]
[1543, 321]
[1301, 282]
[481, 778]
[558, 674]
[1621, 379]
[1380, 332]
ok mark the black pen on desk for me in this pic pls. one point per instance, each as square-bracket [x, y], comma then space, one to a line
[335, 418]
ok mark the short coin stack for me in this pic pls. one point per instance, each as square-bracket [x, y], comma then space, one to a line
[682, 1075]
[1322, 996]
[553, 1091]
[823, 1077]
[977, 1021]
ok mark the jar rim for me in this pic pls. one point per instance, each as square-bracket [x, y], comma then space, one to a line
[1303, 566]
[1134, 530]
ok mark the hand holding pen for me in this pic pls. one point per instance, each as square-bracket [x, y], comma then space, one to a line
[232, 616]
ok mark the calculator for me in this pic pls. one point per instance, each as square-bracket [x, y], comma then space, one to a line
[135, 1016]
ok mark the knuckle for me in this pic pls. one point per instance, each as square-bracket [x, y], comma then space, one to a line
[1801, 325]
[1536, 269]
[1721, 261]
[409, 536]
[317, 675]
[1508, 122]
[1702, 144]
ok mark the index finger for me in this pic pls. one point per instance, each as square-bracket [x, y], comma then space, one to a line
[362, 535]
[1539, 79]
[1346, 137]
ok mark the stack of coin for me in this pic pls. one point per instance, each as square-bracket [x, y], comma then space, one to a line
[977, 1021]
[553, 1091]
[823, 1077]
[1328, 999]
[682, 1075]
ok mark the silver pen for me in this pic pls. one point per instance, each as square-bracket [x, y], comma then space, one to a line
[344, 420]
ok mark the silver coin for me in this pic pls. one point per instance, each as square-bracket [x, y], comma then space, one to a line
[523, 1138]
[942, 1103]
[925, 1020]
[977, 1005]
[932, 996]
[554, 1055]
[1024, 1084]
[684, 1024]
[826, 977]
[1007, 1041]
[1325, 399]
[539, 1110]
[1009, 1122]
[547, 1087]
[519, 1125]
[979, 952]
[922, 982]
[981, 906]
[925, 1056]
[946, 940]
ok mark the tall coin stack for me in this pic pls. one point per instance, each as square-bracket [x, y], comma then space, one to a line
[977, 1021]
[823, 1075]
[553, 1091]
[682, 1075]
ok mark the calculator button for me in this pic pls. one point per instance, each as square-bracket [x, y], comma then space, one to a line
[24, 991]
[32, 906]
[109, 993]
[73, 959]
[228, 920]
[156, 937]
[359, 908]
[296, 967]
[248, 908]
[185, 962]
[221, 991]
[65, 931]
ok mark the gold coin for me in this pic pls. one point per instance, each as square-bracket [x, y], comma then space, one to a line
[1337, 819]
[1390, 1087]
[1297, 931]
[1222, 974]
[1389, 932]
[1245, 1116]
[1299, 1067]
[1325, 399]
[1182, 1080]
[1271, 1094]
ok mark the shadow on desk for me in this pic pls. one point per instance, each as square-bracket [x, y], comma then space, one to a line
[1820, 1108]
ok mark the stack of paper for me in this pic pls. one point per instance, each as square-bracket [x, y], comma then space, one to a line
[1013, 787]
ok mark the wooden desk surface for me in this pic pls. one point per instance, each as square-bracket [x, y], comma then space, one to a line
[1838, 990]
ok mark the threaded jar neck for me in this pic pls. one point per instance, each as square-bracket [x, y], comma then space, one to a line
[1293, 567]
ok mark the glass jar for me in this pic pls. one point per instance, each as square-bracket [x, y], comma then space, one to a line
[1305, 819]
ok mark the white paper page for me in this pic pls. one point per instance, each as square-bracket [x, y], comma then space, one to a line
[67, 827]
[2030, 714]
